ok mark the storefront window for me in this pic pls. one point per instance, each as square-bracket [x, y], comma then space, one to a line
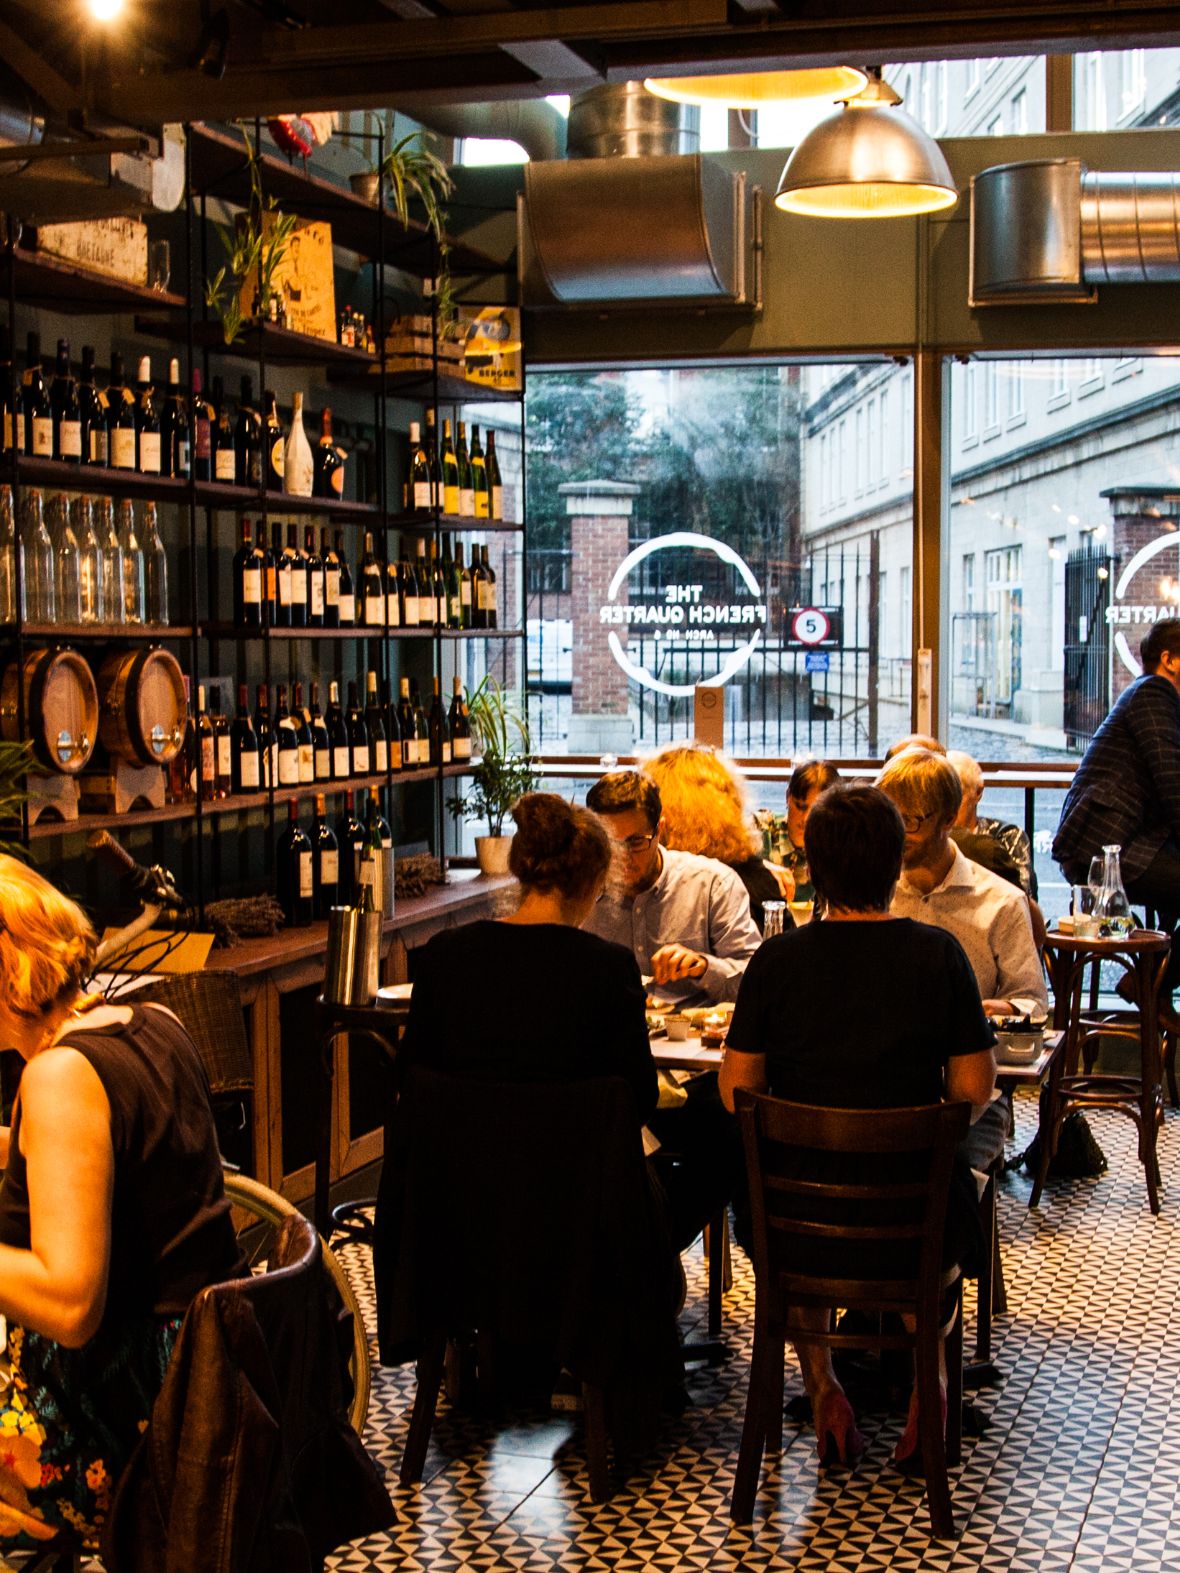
[1126, 87]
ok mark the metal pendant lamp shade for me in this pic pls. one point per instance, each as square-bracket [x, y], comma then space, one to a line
[868, 160]
[752, 89]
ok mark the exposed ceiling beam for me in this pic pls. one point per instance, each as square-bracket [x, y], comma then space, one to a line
[551, 60]
[36, 72]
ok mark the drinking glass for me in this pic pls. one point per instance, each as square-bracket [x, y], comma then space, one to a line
[159, 265]
[773, 916]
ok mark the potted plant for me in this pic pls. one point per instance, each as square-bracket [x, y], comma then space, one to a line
[504, 772]
[253, 248]
[15, 759]
[412, 172]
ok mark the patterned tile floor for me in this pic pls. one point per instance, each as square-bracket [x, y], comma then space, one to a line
[1073, 1471]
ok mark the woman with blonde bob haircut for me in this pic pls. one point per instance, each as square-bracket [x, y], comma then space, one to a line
[706, 811]
[112, 1216]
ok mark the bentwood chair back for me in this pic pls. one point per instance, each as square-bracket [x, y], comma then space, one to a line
[875, 1247]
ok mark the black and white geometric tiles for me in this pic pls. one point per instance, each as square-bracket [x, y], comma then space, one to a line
[1077, 1466]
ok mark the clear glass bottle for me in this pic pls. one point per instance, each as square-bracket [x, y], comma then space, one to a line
[114, 611]
[134, 592]
[1112, 905]
[90, 585]
[297, 463]
[40, 600]
[155, 568]
[8, 553]
[67, 595]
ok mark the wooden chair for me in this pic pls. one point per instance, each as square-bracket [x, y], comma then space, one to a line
[904, 1220]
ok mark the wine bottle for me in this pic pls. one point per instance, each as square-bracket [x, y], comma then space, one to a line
[405, 722]
[489, 574]
[303, 738]
[349, 835]
[38, 411]
[66, 408]
[155, 569]
[225, 459]
[466, 491]
[372, 587]
[370, 867]
[313, 565]
[421, 724]
[204, 419]
[298, 567]
[376, 821]
[134, 590]
[294, 861]
[450, 472]
[479, 590]
[120, 418]
[223, 748]
[326, 862]
[92, 407]
[331, 564]
[479, 477]
[393, 731]
[175, 428]
[288, 740]
[358, 738]
[12, 407]
[393, 594]
[268, 576]
[328, 477]
[439, 586]
[321, 747]
[9, 550]
[347, 593]
[244, 747]
[248, 440]
[410, 597]
[38, 592]
[375, 728]
[284, 567]
[66, 589]
[431, 443]
[247, 572]
[460, 726]
[438, 733]
[114, 610]
[464, 574]
[427, 606]
[420, 477]
[182, 767]
[495, 484]
[206, 751]
[337, 736]
[274, 449]
[147, 421]
[454, 587]
[298, 470]
[89, 560]
[268, 743]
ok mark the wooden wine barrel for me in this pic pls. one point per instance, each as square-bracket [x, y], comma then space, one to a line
[61, 708]
[142, 709]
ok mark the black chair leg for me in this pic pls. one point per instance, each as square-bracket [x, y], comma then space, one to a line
[757, 1425]
[594, 1410]
[954, 1385]
[430, 1371]
[931, 1435]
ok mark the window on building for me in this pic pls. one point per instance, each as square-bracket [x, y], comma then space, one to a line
[1015, 381]
[942, 103]
[883, 449]
[871, 476]
[1002, 573]
[1132, 82]
[859, 452]
[970, 381]
[1057, 554]
[991, 399]
[1058, 384]
[974, 76]
[905, 611]
[995, 126]
[968, 581]
[1020, 112]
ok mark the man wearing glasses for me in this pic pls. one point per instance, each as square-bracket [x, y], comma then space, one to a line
[685, 919]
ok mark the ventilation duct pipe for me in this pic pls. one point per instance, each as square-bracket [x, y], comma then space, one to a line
[1050, 231]
[535, 124]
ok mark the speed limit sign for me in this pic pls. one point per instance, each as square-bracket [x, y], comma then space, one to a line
[810, 626]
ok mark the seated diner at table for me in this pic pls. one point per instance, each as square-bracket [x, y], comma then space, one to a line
[863, 1010]
[112, 1216]
[808, 780]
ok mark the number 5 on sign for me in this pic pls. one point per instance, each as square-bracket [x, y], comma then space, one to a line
[810, 626]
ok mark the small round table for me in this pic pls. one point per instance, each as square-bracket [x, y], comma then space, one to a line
[1143, 955]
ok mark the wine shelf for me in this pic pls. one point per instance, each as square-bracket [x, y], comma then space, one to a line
[85, 823]
[219, 630]
[56, 474]
[211, 494]
[281, 346]
[105, 633]
[422, 384]
[449, 523]
[42, 280]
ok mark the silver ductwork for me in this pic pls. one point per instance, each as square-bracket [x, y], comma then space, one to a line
[536, 125]
[636, 216]
[1050, 231]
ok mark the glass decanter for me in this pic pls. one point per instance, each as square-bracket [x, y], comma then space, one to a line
[1111, 904]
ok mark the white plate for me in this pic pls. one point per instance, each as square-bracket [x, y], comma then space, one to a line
[395, 993]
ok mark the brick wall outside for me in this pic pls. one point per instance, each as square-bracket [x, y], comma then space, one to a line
[599, 544]
[1133, 531]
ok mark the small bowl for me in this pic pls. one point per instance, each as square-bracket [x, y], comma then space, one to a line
[677, 1028]
[1018, 1048]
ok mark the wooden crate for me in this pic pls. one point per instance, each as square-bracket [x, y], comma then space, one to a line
[117, 247]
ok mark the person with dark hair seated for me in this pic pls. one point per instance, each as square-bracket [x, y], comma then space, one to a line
[862, 1010]
[807, 781]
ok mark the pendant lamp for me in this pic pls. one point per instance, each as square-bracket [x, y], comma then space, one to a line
[868, 160]
[750, 90]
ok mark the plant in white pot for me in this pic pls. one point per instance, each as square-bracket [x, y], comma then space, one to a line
[504, 771]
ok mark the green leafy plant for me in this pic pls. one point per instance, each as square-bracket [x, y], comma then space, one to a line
[253, 250]
[15, 760]
[505, 769]
[413, 172]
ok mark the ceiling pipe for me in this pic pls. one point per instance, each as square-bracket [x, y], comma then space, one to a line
[536, 125]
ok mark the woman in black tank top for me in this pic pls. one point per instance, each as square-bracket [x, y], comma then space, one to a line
[112, 1216]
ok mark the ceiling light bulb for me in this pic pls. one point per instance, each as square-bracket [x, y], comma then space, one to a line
[104, 10]
[752, 89]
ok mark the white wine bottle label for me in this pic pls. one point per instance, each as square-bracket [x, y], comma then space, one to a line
[149, 452]
[369, 873]
[285, 585]
[331, 587]
[224, 468]
[450, 499]
[347, 609]
[413, 617]
[465, 593]
[8, 431]
[484, 596]
[410, 751]
[42, 437]
[208, 759]
[360, 759]
[317, 595]
[69, 437]
[421, 498]
[395, 756]
[306, 762]
[467, 502]
[299, 585]
[461, 748]
[224, 757]
[375, 610]
[289, 766]
[122, 448]
[393, 611]
[446, 752]
[274, 763]
[277, 457]
[323, 764]
[492, 597]
[306, 877]
[380, 756]
[341, 761]
[497, 502]
[329, 866]
[248, 769]
[98, 444]
[252, 586]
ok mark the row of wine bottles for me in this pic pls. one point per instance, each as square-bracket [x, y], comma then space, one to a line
[81, 560]
[328, 868]
[450, 479]
[139, 429]
[290, 586]
[302, 744]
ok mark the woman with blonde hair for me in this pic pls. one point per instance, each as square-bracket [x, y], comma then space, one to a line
[706, 811]
[112, 1216]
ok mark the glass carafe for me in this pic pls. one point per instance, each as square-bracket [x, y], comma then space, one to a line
[89, 561]
[113, 610]
[133, 585]
[155, 568]
[40, 600]
[8, 552]
[1111, 905]
[65, 560]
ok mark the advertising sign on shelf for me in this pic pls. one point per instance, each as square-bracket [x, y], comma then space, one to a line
[492, 348]
[305, 281]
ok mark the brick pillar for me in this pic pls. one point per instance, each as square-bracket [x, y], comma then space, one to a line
[599, 514]
[1139, 519]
